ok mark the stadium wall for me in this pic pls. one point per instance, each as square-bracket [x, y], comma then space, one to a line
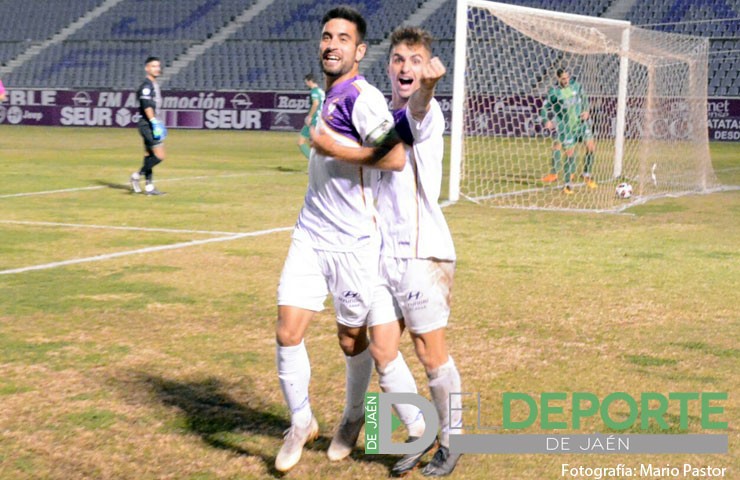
[270, 111]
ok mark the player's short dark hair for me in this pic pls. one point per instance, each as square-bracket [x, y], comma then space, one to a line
[351, 15]
[560, 71]
[412, 36]
[151, 59]
[309, 78]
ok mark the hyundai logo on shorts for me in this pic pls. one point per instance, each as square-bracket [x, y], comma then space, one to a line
[413, 295]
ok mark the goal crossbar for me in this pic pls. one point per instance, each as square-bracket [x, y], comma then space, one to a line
[579, 39]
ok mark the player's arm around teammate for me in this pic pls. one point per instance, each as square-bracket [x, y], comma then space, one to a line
[335, 245]
[390, 155]
[418, 279]
[386, 338]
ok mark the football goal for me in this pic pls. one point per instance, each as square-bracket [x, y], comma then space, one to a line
[554, 110]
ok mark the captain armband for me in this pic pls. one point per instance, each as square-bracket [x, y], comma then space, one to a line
[384, 134]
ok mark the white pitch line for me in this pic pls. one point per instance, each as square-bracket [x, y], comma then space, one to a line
[100, 187]
[160, 248]
[114, 227]
[49, 192]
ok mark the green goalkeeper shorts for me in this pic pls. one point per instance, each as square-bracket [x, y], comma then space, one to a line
[569, 137]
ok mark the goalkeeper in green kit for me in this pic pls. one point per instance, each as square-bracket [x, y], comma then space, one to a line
[567, 108]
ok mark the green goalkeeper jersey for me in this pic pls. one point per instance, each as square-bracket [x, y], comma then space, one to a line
[317, 94]
[566, 104]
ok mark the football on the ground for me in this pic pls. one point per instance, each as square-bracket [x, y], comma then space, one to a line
[624, 190]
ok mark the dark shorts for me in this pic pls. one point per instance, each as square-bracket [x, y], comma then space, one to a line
[145, 130]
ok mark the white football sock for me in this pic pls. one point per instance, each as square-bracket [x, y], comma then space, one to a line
[394, 378]
[294, 372]
[443, 381]
[359, 369]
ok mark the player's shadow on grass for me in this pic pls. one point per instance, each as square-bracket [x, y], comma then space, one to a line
[215, 416]
[282, 168]
[116, 186]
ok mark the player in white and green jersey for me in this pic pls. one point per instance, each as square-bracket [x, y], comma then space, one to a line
[566, 109]
[317, 101]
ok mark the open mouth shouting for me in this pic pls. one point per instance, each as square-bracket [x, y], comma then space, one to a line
[331, 62]
[405, 83]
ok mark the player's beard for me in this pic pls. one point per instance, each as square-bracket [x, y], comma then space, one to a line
[337, 71]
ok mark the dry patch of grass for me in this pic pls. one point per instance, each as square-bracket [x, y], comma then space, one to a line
[161, 366]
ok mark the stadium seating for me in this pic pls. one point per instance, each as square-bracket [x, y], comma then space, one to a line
[261, 64]
[691, 17]
[594, 8]
[724, 79]
[109, 51]
[27, 22]
[36, 20]
[299, 19]
[277, 47]
[10, 50]
[185, 20]
[694, 17]
[74, 64]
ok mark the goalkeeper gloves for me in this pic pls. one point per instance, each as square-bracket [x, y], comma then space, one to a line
[158, 129]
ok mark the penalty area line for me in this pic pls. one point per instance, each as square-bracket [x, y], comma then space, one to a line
[51, 192]
[113, 227]
[160, 248]
[164, 180]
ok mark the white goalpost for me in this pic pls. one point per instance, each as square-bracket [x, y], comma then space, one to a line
[644, 94]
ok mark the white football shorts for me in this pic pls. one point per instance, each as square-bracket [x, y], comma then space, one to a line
[310, 274]
[417, 290]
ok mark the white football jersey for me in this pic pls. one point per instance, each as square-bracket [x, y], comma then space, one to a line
[338, 213]
[412, 222]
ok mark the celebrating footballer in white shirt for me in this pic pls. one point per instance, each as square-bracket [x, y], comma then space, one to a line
[336, 244]
[418, 256]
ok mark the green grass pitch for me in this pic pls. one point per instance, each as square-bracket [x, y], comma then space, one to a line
[137, 333]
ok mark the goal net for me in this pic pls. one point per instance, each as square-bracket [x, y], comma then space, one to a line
[634, 110]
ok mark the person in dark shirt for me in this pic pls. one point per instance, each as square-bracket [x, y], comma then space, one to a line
[151, 129]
